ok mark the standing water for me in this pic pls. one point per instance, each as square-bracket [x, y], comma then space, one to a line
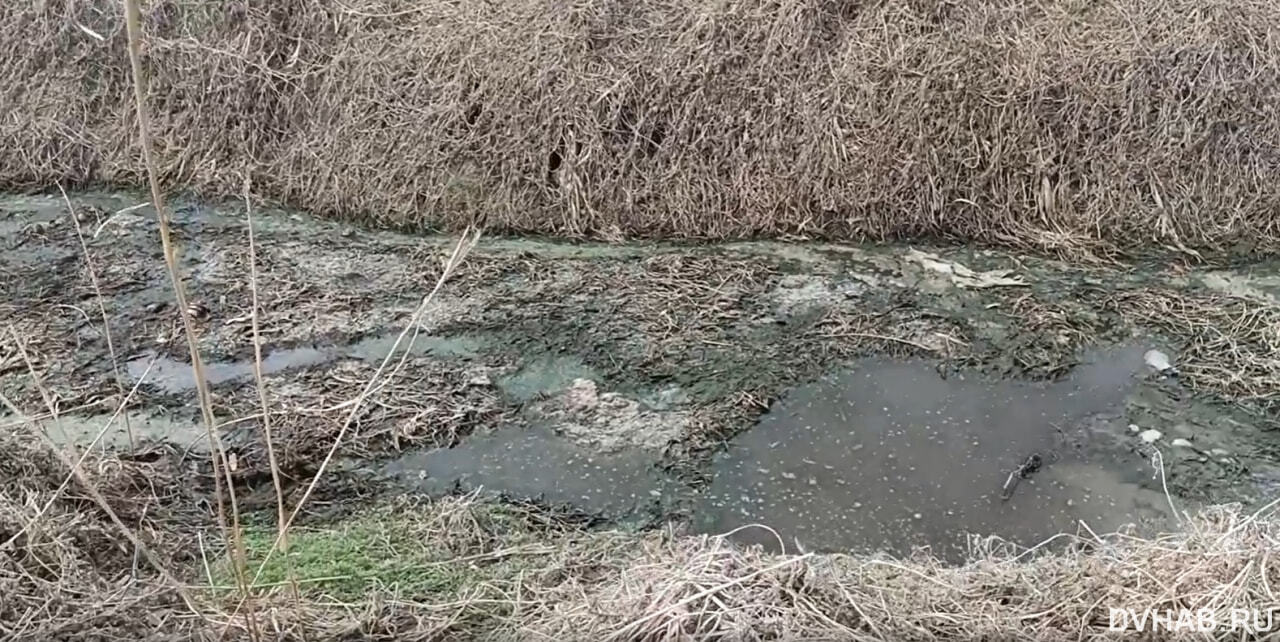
[889, 456]
[534, 463]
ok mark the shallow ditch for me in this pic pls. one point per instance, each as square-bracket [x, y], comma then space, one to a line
[799, 396]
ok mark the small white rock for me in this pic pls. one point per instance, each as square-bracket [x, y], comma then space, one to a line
[1150, 436]
[1158, 361]
[1219, 452]
[1133, 428]
[1181, 443]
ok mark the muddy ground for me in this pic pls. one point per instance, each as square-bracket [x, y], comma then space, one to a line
[655, 359]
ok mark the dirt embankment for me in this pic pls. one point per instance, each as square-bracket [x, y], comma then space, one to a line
[1066, 127]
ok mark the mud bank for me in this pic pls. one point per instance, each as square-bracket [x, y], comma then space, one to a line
[902, 390]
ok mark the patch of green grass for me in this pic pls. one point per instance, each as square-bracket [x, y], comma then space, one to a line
[399, 548]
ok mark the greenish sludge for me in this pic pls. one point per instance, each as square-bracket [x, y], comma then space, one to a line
[543, 376]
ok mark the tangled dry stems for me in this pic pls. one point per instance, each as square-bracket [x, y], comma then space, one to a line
[703, 589]
[1232, 343]
[66, 571]
[1061, 128]
[1070, 127]
[68, 576]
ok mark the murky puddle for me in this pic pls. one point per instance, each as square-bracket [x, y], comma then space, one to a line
[174, 376]
[375, 349]
[887, 456]
[534, 463]
[884, 456]
[80, 431]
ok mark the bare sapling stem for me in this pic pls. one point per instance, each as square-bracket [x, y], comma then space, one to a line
[218, 455]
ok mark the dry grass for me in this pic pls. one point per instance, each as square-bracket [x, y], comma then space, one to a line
[73, 551]
[1232, 343]
[704, 589]
[1071, 127]
[1062, 128]
[509, 573]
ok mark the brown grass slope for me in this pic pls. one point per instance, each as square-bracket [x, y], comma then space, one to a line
[1056, 126]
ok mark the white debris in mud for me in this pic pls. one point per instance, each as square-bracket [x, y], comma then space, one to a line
[1158, 361]
[1150, 436]
[962, 276]
[610, 422]
[799, 293]
[1181, 443]
[1250, 286]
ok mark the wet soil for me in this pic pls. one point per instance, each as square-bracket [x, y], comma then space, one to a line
[657, 381]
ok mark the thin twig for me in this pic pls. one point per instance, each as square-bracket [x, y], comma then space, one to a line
[283, 533]
[218, 456]
[1157, 460]
[881, 337]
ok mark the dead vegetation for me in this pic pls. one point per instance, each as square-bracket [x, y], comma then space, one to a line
[1053, 128]
[66, 571]
[1069, 127]
[1232, 343]
[467, 569]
